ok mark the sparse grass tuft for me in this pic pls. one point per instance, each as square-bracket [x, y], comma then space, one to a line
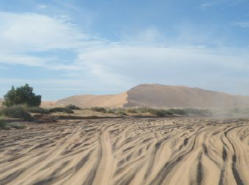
[16, 112]
[37, 110]
[3, 124]
[177, 111]
[197, 112]
[99, 109]
[120, 111]
[73, 107]
[143, 111]
[16, 125]
[61, 109]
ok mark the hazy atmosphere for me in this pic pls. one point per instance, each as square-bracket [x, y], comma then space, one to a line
[64, 48]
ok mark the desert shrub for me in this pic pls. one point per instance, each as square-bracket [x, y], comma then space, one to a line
[132, 110]
[21, 96]
[16, 112]
[143, 110]
[120, 111]
[3, 124]
[99, 109]
[15, 125]
[61, 109]
[117, 111]
[178, 111]
[181, 112]
[153, 111]
[67, 109]
[158, 112]
[198, 112]
[238, 111]
[161, 112]
[73, 107]
[110, 111]
[37, 110]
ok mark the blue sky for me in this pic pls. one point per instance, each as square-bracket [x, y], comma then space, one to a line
[68, 47]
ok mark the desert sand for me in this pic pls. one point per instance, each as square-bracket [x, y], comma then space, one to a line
[131, 151]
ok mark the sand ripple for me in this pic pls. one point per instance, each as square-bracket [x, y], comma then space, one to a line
[127, 151]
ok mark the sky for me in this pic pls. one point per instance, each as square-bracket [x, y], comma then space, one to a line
[69, 47]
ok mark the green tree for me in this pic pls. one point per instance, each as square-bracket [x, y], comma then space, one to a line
[22, 96]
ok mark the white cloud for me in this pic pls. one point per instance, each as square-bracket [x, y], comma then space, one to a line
[207, 4]
[200, 67]
[21, 60]
[212, 3]
[32, 61]
[121, 58]
[24, 35]
[244, 24]
[149, 36]
[42, 6]
[30, 31]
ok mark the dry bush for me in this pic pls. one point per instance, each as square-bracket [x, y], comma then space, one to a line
[16, 112]
[73, 107]
[99, 109]
[61, 109]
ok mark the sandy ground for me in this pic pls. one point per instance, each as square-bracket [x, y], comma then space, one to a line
[171, 151]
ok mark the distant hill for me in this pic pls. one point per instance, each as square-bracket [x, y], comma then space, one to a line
[48, 104]
[154, 95]
[118, 100]
[179, 96]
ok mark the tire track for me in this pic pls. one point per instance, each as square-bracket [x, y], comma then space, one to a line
[128, 151]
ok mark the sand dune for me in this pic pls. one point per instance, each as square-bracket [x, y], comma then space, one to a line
[95, 100]
[48, 104]
[153, 95]
[175, 151]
